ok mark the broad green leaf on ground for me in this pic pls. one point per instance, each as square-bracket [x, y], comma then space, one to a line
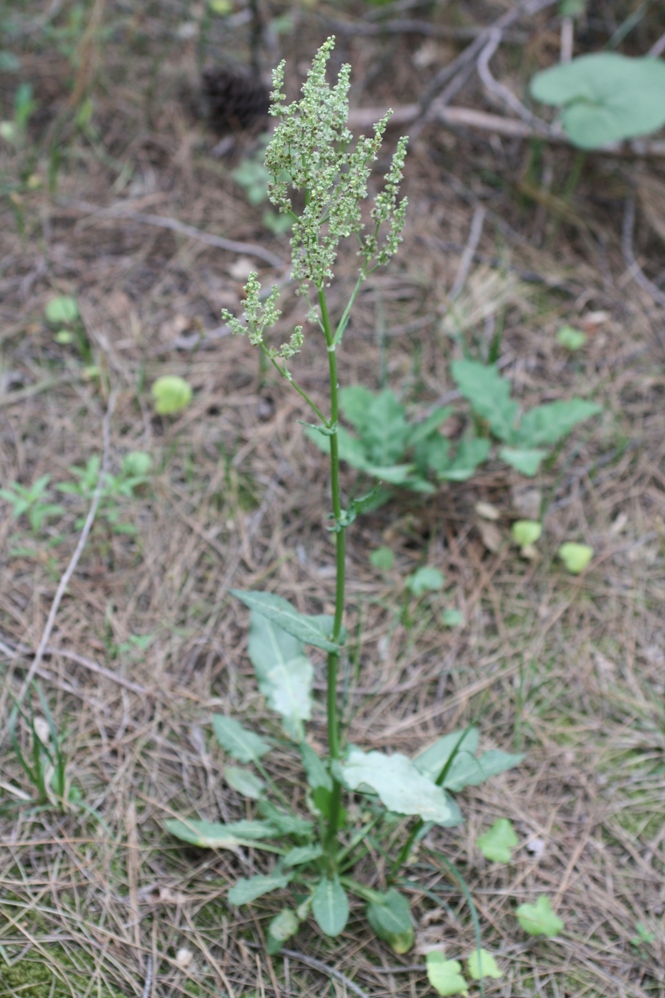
[526, 532]
[445, 975]
[243, 745]
[391, 920]
[381, 422]
[63, 309]
[526, 461]
[330, 906]
[247, 783]
[538, 919]
[575, 557]
[489, 395]
[547, 424]
[432, 761]
[281, 928]
[250, 888]
[498, 842]
[315, 769]
[422, 430]
[399, 785]
[285, 824]
[452, 617]
[570, 338]
[382, 558]
[482, 964]
[280, 612]
[470, 453]
[283, 671]
[215, 835]
[425, 580]
[171, 394]
[606, 97]
[467, 771]
[302, 854]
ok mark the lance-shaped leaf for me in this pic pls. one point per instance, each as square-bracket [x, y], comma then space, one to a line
[399, 785]
[466, 771]
[391, 920]
[315, 770]
[547, 424]
[250, 888]
[432, 761]
[330, 906]
[215, 835]
[280, 611]
[243, 745]
[247, 783]
[283, 671]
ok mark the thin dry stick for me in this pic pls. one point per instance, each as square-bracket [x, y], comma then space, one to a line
[148, 979]
[69, 571]
[323, 968]
[475, 233]
[12, 652]
[636, 271]
[498, 90]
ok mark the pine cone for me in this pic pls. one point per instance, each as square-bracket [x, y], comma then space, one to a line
[233, 99]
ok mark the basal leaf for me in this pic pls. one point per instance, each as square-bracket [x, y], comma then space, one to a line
[482, 964]
[427, 427]
[432, 761]
[391, 920]
[489, 395]
[283, 823]
[467, 771]
[381, 422]
[280, 611]
[63, 309]
[247, 783]
[315, 769]
[575, 557]
[444, 975]
[399, 785]
[606, 97]
[538, 919]
[498, 842]
[470, 453]
[526, 461]
[425, 579]
[302, 854]
[283, 671]
[243, 745]
[281, 928]
[526, 532]
[250, 888]
[547, 424]
[215, 835]
[330, 907]
[570, 338]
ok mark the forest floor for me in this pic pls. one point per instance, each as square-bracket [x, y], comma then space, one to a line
[147, 642]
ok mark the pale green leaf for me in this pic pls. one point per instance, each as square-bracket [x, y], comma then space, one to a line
[250, 888]
[482, 964]
[432, 760]
[171, 394]
[445, 975]
[467, 771]
[302, 854]
[62, 310]
[489, 395]
[391, 920]
[399, 785]
[538, 919]
[247, 783]
[526, 532]
[281, 928]
[330, 906]
[425, 580]
[283, 671]
[575, 557]
[215, 835]
[284, 823]
[570, 338]
[526, 461]
[315, 770]
[547, 424]
[381, 422]
[382, 558]
[606, 97]
[423, 430]
[470, 453]
[280, 611]
[498, 842]
[243, 745]
[452, 617]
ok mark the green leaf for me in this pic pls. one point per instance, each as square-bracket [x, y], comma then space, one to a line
[432, 760]
[382, 558]
[171, 394]
[547, 424]
[606, 97]
[281, 928]
[283, 671]
[452, 617]
[489, 395]
[526, 532]
[284, 823]
[575, 557]
[470, 453]
[250, 888]
[64, 336]
[215, 835]
[391, 920]
[466, 771]
[243, 745]
[482, 964]
[315, 769]
[280, 611]
[444, 975]
[428, 426]
[526, 461]
[570, 338]
[538, 919]
[302, 854]
[399, 784]
[62, 310]
[381, 422]
[137, 463]
[498, 843]
[330, 906]
[247, 783]
[425, 580]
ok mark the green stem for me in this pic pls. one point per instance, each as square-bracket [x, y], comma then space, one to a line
[286, 374]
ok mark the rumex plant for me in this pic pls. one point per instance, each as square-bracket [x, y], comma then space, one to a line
[312, 151]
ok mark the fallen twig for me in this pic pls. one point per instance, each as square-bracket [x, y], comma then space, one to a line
[23, 650]
[323, 968]
[636, 271]
[466, 260]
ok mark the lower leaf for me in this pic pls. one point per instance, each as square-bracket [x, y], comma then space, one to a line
[391, 920]
[330, 906]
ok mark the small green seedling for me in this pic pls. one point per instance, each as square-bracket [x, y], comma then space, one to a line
[425, 580]
[445, 975]
[63, 314]
[171, 394]
[605, 97]
[498, 843]
[31, 502]
[134, 472]
[538, 919]
[451, 617]
[575, 557]
[644, 937]
[47, 770]
[13, 131]
[482, 964]
[526, 532]
[526, 437]
[570, 338]
[382, 558]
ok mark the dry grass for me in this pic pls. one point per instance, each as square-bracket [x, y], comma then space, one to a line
[568, 670]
